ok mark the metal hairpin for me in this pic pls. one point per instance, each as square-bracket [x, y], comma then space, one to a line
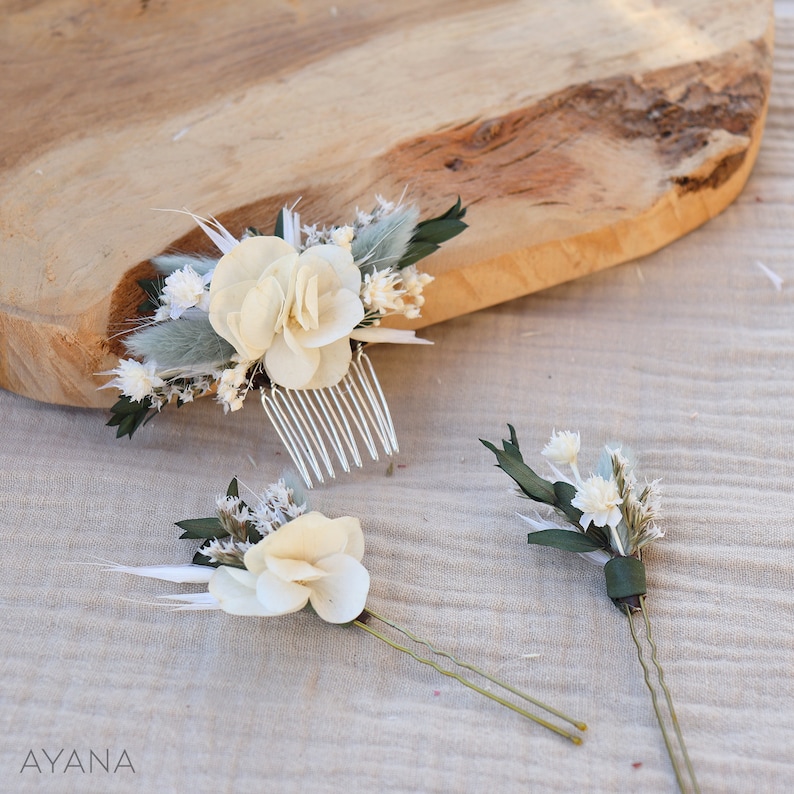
[310, 422]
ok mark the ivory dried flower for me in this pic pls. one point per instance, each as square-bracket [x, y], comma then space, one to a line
[134, 379]
[599, 501]
[562, 448]
[184, 289]
[296, 310]
[310, 560]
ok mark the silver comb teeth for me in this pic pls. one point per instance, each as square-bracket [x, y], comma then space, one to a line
[316, 425]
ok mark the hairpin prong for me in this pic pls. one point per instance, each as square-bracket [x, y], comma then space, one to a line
[377, 401]
[327, 423]
[316, 425]
[337, 421]
[287, 425]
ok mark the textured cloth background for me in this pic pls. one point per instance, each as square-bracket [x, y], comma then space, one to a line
[686, 356]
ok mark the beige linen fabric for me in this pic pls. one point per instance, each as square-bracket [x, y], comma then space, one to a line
[686, 356]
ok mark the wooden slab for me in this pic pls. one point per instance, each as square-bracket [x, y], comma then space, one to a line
[582, 133]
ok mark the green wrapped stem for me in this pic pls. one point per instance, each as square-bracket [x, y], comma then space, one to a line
[625, 580]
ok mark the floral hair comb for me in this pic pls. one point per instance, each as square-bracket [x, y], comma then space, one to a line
[287, 314]
[608, 519]
[274, 557]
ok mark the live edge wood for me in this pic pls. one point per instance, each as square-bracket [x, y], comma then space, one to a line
[581, 134]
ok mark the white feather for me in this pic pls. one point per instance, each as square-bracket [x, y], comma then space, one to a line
[193, 574]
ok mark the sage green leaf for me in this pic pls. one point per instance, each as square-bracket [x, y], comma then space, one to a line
[126, 405]
[563, 539]
[383, 243]
[429, 234]
[511, 462]
[565, 493]
[233, 490]
[440, 230]
[127, 426]
[416, 250]
[200, 559]
[166, 264]
[512, 449]
[187, 343]
[599, 534]
[203, 528]
[127, 416]
[625, 577]
[279, 230]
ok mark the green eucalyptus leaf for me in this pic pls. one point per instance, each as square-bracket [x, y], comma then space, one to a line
[440, 230]
[625, 577]
[415, 252]
[233, 489]
[455, 212]
[565, 492]
[201, 559]
[127, 416]
[512, 449]
[599, 534]
[564, 539]
[511, 462]
[279, 230]
[126, 405]
[136, 422]
[429, 234]
[126, 426]
[204, 528]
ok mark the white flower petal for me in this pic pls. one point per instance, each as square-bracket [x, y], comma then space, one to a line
[355, 537]
[224, 311]
[248, 260]
[259, 314]
[334, 365]
[341, 596]
[614, 517]
[293, 570]
[339, 313]
[235, 590]
[280, 597]
[309, 537]
[306, 308]
[135, 380]
[234, 336]
[377, 333]
[288, 368]
[341, 260]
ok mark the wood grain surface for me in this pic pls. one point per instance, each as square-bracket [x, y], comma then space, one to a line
[581, 135]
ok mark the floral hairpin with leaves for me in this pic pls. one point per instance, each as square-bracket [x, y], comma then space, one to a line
[274, 557]
[287, 315]
[608, 518]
